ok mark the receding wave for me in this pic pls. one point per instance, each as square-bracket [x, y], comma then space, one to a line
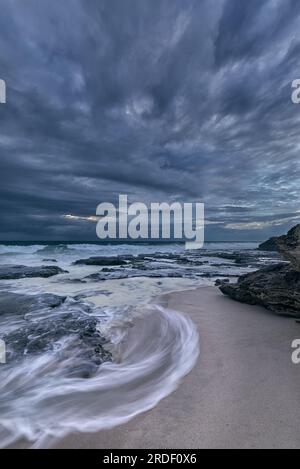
[40, 403]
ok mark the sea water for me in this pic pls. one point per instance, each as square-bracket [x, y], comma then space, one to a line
[56, 381]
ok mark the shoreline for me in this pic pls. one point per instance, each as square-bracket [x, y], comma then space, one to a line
[242, 392]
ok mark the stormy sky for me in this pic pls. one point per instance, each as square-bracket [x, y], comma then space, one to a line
[163, 100]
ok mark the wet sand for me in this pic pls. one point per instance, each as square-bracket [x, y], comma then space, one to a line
[242, 393]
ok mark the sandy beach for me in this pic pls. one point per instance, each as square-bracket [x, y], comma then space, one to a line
[149, 181]
[242, 393]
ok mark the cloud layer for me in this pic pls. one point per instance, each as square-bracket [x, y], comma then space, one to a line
[177, 101]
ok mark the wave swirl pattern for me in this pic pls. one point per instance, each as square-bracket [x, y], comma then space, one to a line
[151, 357]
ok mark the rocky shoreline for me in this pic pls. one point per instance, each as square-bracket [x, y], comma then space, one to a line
[15, 272]
[276, 287]
[42, 323]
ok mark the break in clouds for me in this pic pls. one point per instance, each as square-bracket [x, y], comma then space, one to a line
[161, 100]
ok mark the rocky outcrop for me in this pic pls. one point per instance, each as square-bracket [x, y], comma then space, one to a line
[13, 272]
[37, 337]
[17, 304]
[289, 246]
[221, 281]
[269, 245]
[121, 274]
[275, 287]
[102, 261]
[63, 327]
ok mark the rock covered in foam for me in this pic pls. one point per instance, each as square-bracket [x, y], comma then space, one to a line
[49, 324]
[16, 304]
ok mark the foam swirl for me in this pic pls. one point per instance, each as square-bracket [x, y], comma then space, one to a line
[155, 353]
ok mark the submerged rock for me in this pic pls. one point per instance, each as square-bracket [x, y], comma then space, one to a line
[275, 287]
[119, 274]
[14, 303]
[65, 330]
[80, 358]
[132, 273]
[178, 260]
[13, 272]
[101, 261]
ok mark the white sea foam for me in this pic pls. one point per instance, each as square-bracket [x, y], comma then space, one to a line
[152, 350]
[151, 355]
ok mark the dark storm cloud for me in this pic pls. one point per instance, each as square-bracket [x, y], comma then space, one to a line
[162, 100]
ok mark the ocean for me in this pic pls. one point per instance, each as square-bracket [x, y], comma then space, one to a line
[92, 347]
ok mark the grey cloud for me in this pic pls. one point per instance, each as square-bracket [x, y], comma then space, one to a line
[163, 100]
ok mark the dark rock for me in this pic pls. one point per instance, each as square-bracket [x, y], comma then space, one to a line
[13, 303]
[132, 273]
[84, 370]
[220, 281]
[99, 261]
[121, 274]
[139, 261]
[289, 246]
[157, 261]
[269, 245]
[275, 287]
[47, 321]
[13, 272]
[241, 258]
[49, 260]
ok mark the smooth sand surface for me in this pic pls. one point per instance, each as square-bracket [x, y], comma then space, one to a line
[244, 391]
